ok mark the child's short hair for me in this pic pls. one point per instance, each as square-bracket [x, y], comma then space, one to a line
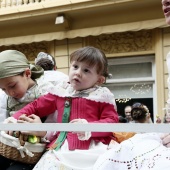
[46, 61]
[93, 57]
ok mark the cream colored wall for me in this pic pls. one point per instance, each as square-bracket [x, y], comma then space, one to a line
[85, 19]
[160, 71]
[62, 50]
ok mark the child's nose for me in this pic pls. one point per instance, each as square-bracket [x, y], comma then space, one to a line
[11, 93]
[78, 72]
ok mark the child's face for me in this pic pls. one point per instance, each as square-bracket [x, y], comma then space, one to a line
[166, 10]
[82, 76]
[15, 86]
[167, 117]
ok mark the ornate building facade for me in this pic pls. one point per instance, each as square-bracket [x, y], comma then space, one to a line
[135, 42]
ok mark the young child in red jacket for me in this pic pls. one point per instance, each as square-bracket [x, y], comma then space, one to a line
[88, 103]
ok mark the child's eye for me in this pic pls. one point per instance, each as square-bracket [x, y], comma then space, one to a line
[75, 66]
[12, 86]
[86, 70]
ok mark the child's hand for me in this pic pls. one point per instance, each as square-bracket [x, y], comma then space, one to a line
[81, 135]
[10, 120]
[166, 140]
[31, 119]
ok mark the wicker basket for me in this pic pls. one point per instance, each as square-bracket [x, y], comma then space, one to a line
[11, 148]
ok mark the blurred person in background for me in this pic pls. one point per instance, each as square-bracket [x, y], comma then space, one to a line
[48, 63]
[140, 113]
[127, 112]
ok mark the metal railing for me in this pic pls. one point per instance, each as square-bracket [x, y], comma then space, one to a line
[90, 127]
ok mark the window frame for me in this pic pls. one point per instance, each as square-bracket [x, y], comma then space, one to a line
[129, 81]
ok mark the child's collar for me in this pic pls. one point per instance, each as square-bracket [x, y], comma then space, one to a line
[97, 93]
[84, 93]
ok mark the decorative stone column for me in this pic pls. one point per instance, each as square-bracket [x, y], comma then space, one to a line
[8, 3]
[31, 1]
[3, 4]
[14, 3]
[19, 2]
[25, 2]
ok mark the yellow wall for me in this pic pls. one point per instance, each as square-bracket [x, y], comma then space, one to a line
[62, 50]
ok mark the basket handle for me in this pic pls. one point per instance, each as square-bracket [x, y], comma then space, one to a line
[23, 149]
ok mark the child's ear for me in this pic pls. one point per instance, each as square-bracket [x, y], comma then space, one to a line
[27, 72]
[101, 80]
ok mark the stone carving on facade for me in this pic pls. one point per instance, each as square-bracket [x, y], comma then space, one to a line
[30, 50]
[123, 42]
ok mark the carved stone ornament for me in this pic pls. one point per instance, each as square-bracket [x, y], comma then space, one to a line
[122, 42]
[30, 50]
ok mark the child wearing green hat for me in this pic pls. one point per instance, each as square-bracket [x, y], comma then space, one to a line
[21, 83]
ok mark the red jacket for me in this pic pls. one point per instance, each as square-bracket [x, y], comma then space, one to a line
[81, 108]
